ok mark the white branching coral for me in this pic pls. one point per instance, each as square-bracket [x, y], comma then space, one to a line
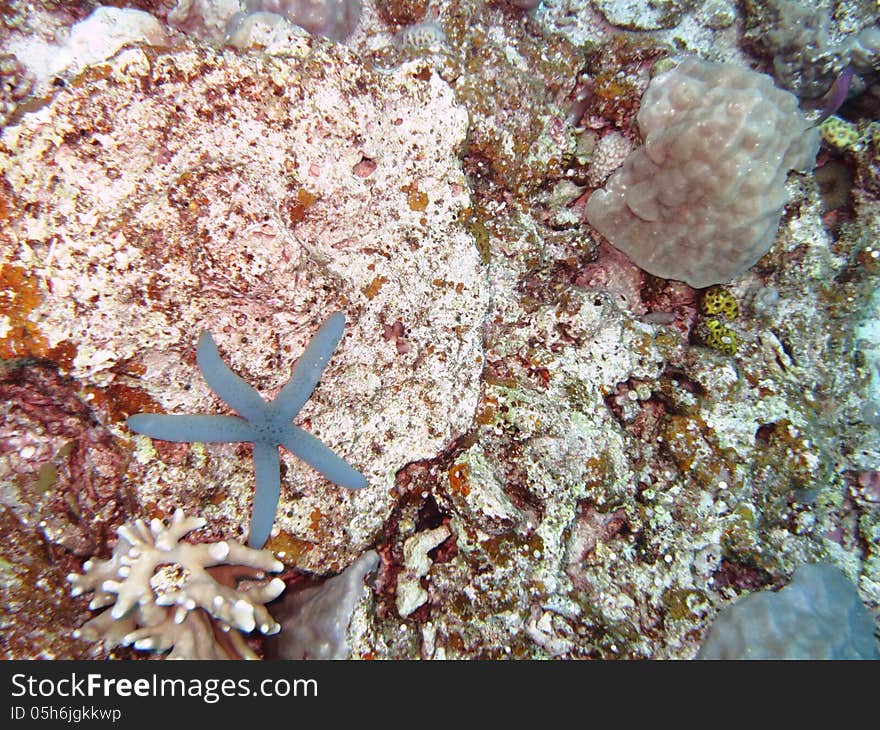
[196, 600]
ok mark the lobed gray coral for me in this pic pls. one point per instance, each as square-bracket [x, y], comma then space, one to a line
[165, 594]
[701, 199]
[819, 615]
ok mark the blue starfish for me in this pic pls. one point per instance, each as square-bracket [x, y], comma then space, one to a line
[266, 425]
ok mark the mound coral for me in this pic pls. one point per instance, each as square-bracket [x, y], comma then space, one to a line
[819, 615]
[196, 600]
[701, 199]
[333, 19]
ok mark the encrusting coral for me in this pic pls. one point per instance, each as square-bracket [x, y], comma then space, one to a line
[839, 133]
[196, 600]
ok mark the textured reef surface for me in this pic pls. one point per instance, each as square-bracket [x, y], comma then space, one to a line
[566, 456]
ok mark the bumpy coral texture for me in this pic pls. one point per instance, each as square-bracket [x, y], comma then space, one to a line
[701, 199]
[195, 600]
[819, 615]
[611, 152]
[807, 49]
[334, 19]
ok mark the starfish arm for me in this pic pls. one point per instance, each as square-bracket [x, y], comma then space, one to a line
[308, 369]
[320, 457]
[227, 429]
[234, 391]
[267, 467]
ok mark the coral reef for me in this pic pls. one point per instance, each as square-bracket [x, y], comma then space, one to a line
[287, 228]
[165, 594]
[558, 464]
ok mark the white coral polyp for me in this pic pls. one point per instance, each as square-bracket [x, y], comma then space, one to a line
[701, 199]
[611, 152]
[177, 614]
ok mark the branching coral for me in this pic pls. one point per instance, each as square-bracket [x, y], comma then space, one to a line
[196, 600]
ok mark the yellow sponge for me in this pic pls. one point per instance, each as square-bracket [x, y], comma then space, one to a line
[718, 300]
[839, 133]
